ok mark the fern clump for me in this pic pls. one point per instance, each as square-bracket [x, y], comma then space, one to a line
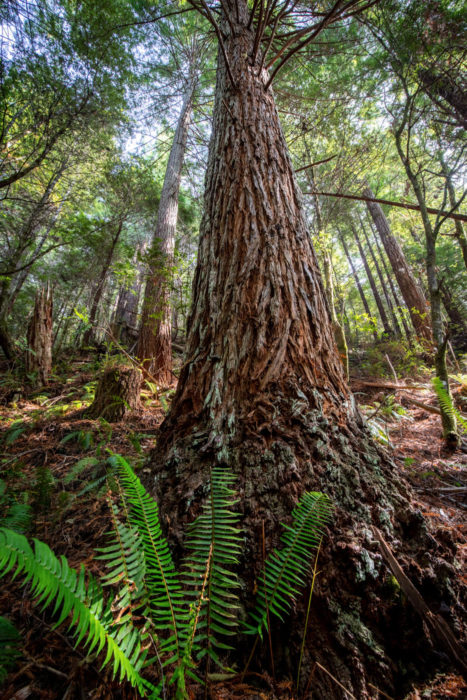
[185, 617]
[78, 594]
[447, 405]
[165, 596]
[285, 570]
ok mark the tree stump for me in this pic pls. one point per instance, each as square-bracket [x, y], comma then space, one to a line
[39, 335]
[117, 393]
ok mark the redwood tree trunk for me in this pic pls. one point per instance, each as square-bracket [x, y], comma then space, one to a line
[263, 391]
[99, 290]
[411, 292]
[399, 303]
[155, 338]
[381, 280]
[39, 353]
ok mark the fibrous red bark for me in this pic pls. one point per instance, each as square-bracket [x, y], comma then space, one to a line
[263, 391]
[411, 292]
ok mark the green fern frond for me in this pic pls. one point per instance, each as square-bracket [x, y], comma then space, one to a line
[215, 545]
[285, 570]
[9, 647]
[125, 562]
[446, 403]
[164, 589]
[53, 582]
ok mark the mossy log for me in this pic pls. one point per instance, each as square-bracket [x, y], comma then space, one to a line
[117, 394]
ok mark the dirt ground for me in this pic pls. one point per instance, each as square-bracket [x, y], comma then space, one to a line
[45, 439]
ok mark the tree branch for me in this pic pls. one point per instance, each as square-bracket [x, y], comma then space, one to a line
[360, 198]
[318, 162]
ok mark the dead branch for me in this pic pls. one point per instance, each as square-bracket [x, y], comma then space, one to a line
[435, 623]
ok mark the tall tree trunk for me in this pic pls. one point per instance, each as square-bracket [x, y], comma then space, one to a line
[64, 322]
[411, 292]
[382, 281]
[339, 334]
[99, 290]
[23, 275]
[366, 306]
[440, 337]
[399, 303]
[371, 280]
[155, 338]
[263, 391]
[39, 352]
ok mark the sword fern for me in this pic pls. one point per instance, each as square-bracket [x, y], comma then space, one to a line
[285, 570]
[78, 594]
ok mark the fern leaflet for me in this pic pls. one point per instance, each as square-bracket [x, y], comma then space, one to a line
[52, 581]
[285, 570]
[214, 543]
[164, 589]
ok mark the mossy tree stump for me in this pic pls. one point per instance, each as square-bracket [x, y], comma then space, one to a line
[117, 394]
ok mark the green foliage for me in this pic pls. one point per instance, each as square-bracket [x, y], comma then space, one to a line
[16, 429]
[447, 405]
[214, 543]
[191, 616]
[285, 570]
[53, 582]
[9, 647]
[42, 489]
[165, 597]
[125, 560]
[16, 515]
[79, 468]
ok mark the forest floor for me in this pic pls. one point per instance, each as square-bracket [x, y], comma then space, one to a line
[52, 453]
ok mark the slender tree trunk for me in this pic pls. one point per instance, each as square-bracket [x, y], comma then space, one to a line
[456, 319]
[39, 353]
[411, 292]
[374, 289]
[64, 323]
[263, 391]
[382, 281]
[399, 303]
[23, 275]
[99, 290]
[366, 306]
[458, 227]
[339, 334]
[155, 338]
[440, 337]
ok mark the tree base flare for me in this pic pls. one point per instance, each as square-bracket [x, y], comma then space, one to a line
[362, 630]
